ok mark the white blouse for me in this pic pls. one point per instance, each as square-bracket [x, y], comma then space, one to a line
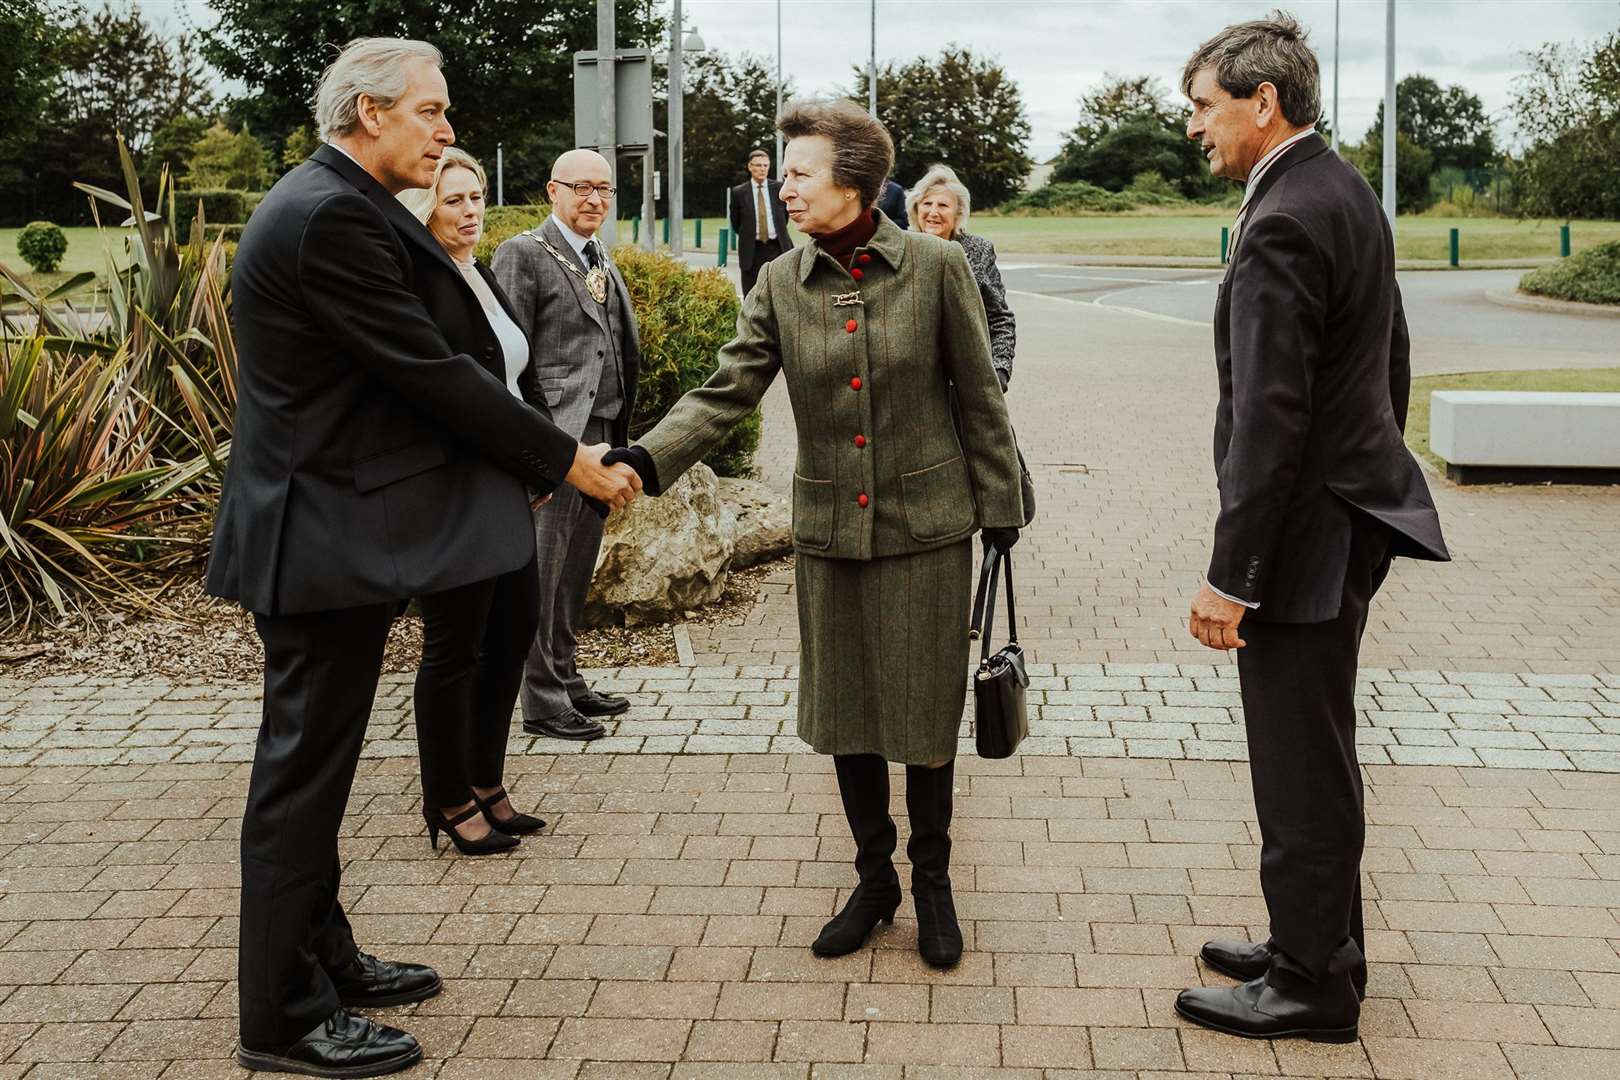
[513, 342]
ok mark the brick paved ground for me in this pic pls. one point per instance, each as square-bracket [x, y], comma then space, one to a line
[1114, 414]
[658, 930]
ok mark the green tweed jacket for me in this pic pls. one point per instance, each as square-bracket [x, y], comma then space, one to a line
[871, 356]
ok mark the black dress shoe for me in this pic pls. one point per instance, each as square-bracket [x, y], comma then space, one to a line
[1326, 1013]
[596, 703]
[570, 725]
[870, 904]
[369, 983]
[343, 1045]
[1243, 960]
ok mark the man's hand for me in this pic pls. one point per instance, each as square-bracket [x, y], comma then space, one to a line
[1214, 620]
[615, 485]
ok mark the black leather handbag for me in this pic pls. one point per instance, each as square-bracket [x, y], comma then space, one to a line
[1000, 685]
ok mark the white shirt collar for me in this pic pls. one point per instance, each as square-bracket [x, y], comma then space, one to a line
[575, 240]
[1262, 166]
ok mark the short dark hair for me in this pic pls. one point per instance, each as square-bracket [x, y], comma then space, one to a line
[758, 152]
[1270, 50]
[863, 152]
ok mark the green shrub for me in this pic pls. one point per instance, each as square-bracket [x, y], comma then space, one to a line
[1072, 197]
[211, 231]
[684, 316]
[1592, 277]
[42, 245]
[1151, 189]
[220, 206]
[501, 223]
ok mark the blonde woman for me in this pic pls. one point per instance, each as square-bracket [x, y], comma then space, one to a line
[474, 637]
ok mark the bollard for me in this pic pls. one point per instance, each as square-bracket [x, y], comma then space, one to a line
[733, 241]
[635, 230]
[720, 258]
[1563, 241]
[1226, 234]
[1454, 246]
[698, 225]
[666, 232]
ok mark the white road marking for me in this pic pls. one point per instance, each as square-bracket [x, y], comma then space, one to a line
[1116, 308]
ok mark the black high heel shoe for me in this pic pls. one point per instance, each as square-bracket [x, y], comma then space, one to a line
[516, 825]
[487, 845]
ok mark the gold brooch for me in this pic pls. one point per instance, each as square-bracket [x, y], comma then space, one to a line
[849, 299]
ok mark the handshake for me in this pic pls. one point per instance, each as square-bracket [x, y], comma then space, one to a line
[608, 485]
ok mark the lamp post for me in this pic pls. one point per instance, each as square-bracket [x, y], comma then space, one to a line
[1389, 111]
[1335, 76]
[871, 68]
[606, 48]
[779, 87]
[677, 131]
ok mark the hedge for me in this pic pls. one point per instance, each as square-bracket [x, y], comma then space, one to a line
[684, 317]
[220, 206]
[42, 245]
[1592, 277]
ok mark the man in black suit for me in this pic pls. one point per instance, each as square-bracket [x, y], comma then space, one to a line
[1318, 493]
[370, 463]
[759, 219]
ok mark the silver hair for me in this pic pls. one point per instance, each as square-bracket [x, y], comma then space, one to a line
[423, 201]
[375, 67]
[1270, 50]
[940, 176]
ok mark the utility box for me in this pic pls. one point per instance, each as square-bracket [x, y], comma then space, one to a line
[632, 101]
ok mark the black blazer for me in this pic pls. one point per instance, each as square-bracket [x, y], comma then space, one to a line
[1314, 363]
[742, 217]
[371, 461]
[458, 313]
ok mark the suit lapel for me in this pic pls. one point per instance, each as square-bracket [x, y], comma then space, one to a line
[553, 236]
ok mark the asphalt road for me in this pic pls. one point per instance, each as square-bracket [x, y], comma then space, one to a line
[1454, 327]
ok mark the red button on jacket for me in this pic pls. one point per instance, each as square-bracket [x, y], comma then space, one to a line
[860, 442]
[855, 383]
[866, 259]
[850, 326]
[862, 499]
[855, 273]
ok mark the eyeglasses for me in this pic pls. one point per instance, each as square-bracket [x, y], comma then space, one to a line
[583, 189]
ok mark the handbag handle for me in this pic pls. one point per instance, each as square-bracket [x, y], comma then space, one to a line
[984, 603]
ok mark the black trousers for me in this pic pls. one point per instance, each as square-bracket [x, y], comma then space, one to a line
[764, 252]
[1299, 684]
[320, 676]
[475, 639]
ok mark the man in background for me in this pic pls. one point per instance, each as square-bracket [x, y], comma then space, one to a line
[758, 218]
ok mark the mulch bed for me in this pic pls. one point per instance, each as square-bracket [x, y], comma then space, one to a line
[213, 641]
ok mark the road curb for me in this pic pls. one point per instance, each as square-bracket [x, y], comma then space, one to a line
[1195, 262]
[1527, 302]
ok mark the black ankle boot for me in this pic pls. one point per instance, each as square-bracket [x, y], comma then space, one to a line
[863, 784]
[928, 801]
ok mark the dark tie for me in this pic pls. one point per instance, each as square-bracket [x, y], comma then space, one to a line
[591, 259]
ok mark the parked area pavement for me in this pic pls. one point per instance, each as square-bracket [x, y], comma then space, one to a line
[658, 930]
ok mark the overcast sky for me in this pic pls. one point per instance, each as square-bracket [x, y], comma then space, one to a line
[1056, 49]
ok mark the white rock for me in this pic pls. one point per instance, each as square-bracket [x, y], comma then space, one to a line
[764, 521]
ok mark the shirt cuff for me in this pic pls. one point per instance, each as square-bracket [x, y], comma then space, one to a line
[1250, 604]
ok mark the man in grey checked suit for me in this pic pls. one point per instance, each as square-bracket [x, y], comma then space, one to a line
[573, 305]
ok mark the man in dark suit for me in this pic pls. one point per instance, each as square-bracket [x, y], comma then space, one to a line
[370, 463]
[759, 219]
[1318, 493]
[574, 306]
[893, 203]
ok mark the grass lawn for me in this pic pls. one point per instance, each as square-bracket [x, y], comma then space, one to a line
[84, 252]
[1600, 380]
[1199, 234]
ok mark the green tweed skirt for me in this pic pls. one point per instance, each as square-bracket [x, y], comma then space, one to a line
[883, 654]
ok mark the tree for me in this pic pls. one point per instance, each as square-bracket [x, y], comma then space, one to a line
[299, 144]
[29, 63]
[958, 110]
[223, 158]
[1449, 123]
[1128, 126]
[729, 105]
[1568, 110]
[508, 62]
[1413, 167]
[116, 75]
[172, 146]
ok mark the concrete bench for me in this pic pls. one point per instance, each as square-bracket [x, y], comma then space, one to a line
[1523, 436]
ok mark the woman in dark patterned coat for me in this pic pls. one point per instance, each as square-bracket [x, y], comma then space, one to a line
[871, 327]
[939, 204]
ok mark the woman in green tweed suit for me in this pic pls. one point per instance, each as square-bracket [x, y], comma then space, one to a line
[872, 328]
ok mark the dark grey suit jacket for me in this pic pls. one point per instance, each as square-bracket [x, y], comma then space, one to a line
[741, 211]
[568, 330]
[370, 460]
[1314, 364]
